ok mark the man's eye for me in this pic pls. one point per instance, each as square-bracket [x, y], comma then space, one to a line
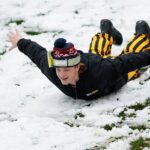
[58, 70]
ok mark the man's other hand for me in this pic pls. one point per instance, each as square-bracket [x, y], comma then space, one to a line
[13, 38]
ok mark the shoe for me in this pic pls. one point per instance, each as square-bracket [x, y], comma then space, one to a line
[142, 27]
[106, 26]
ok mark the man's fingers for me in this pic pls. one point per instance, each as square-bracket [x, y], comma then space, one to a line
[10, 49]
[13, 37]
[10, 34]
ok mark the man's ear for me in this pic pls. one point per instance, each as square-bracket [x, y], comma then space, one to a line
[78, 67]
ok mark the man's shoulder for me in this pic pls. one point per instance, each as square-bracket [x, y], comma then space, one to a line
[90, 57]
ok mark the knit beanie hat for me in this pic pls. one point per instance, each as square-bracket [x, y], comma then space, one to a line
[64, 54]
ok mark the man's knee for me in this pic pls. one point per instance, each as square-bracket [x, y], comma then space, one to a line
[101, 44]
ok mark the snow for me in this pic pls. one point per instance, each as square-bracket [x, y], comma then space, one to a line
[33, 112]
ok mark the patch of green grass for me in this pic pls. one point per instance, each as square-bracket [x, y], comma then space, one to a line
[119, 138]
[132, 115]
[41, 14]
[147, 102]
[130, 133]
[120, 122]
[79, 115]
[137, 106]
[35, 32]
[139, 127]
[113, 139]
[2, 52]
[109, 127]
[122, 114]
[69, 124]
[56, 32]
[140, 106]
[97, 148]
[17, 21]
[140, 144]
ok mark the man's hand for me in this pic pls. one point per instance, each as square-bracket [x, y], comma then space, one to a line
[13, 38]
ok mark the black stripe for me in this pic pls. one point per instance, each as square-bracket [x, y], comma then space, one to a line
[103, 44]
[129, 44]
[139, 43]
[109, 49]
[109, 36]
[109, 46]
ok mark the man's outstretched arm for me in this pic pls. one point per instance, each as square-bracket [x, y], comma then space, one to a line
[34, 51]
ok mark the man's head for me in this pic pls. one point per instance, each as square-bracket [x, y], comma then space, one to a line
[66, 60]
[68, 75]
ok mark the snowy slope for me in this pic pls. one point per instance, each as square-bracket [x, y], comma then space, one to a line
[34, 114]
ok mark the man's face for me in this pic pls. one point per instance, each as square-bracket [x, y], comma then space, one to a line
[68, 75]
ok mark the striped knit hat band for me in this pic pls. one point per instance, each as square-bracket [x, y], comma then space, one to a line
[64, 54]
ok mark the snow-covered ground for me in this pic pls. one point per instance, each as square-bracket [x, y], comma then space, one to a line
[34, 114]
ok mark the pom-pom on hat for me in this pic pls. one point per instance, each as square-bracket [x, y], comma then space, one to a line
[64, 54]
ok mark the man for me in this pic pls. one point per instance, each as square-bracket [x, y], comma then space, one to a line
[89, 75]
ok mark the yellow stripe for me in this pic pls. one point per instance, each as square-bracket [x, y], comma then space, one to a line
[100, 44]
[132, 74]
[125, 50]
[93, 52]
[140, 47]
[131, 39]
[106, 43]
[147, 48]
[93, 44]
[111, 40]
[50, 59]
[135, 42]
[106, 36]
